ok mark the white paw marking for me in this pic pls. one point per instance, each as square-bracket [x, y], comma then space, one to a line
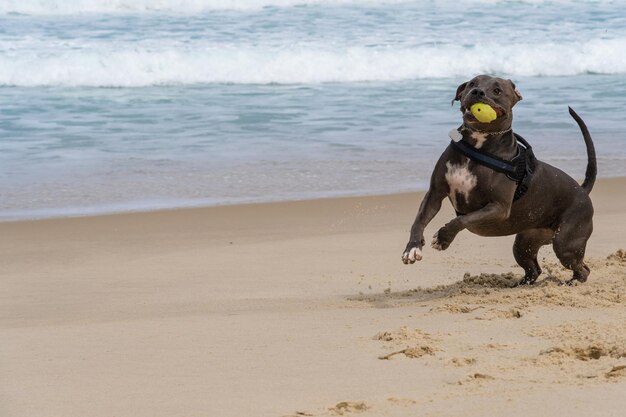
[415, 254]
[460, 181]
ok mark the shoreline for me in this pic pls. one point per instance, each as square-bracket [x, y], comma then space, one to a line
[182, 204]
[286, 309]
[191, 204]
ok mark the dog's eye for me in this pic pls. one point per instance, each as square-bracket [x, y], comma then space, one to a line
[497, 91]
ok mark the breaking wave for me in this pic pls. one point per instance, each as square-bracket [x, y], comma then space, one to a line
[145, 66]
[73, 7]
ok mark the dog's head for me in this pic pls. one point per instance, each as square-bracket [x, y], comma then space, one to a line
[500, 94]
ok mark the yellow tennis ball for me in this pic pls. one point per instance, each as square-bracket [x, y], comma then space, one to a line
[483, 112]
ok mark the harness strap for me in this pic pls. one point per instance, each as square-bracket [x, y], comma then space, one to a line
[518, 169]
[487, 159]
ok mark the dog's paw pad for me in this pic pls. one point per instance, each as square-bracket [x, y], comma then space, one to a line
[412, 255]
[435, 244]
[441, 239]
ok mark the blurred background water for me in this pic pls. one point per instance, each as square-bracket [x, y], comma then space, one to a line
[135, 104]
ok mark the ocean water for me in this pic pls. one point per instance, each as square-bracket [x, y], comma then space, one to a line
[139, 104]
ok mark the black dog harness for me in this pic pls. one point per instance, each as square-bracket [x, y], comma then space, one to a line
[519, 169]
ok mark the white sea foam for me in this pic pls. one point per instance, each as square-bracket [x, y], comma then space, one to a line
[73, 7]
[109, 66]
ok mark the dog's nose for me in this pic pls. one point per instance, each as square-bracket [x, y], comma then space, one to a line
[477, 92]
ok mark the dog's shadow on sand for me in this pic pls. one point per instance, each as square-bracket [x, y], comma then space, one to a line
[470, 285]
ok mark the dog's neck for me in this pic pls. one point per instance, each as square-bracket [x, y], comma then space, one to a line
[501, 144]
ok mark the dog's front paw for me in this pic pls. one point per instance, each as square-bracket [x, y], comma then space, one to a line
[411, 255]
[442, 239]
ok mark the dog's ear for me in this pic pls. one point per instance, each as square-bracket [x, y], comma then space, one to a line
[459, 90]
[517, 93]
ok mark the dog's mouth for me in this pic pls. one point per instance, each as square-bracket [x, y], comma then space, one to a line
[467, 113]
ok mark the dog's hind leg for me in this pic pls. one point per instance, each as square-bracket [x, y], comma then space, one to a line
[525, 249]
[570, 241]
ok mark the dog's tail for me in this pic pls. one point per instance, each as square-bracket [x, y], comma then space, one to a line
[592, 166]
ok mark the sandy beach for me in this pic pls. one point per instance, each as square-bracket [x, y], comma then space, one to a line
[304, 309]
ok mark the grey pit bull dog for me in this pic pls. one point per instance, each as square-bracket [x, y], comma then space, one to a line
[541, 204]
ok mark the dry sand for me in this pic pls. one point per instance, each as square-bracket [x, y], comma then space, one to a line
[303, 309]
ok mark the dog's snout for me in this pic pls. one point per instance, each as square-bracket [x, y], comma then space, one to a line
[477, 92]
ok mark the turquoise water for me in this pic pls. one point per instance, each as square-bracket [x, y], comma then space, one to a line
[116, 106]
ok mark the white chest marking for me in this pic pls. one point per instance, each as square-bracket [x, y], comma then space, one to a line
[480, 139]
[460, 181]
